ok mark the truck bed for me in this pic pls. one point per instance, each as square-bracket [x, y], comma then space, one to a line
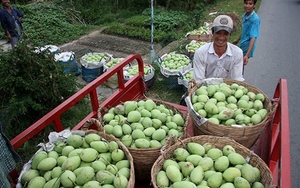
[273, 146]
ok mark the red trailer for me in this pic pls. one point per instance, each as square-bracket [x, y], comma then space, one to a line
[273, 146]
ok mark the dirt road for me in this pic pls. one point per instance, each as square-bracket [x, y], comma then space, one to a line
[117, 46]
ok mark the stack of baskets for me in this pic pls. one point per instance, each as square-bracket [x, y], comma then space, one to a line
[215, 142]
[245, 135]
[171, 75]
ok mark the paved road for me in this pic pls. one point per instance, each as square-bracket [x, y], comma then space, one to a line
[278, 56]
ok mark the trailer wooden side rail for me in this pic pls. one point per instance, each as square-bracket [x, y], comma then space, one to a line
[273, 145]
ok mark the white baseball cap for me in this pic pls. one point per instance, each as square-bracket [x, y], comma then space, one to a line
[222, 22]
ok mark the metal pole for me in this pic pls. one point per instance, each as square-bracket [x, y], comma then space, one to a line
[152, 52]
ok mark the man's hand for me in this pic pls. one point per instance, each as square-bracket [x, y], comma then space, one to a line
[246, 60]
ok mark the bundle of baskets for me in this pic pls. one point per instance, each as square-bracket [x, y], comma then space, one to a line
[245, 135]
[143, 138]
[87, 157]
[161, 176]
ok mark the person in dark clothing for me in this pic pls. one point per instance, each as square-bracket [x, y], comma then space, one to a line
[11, 22]
[9, 158]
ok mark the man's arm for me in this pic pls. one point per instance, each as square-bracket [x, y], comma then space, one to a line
[246, 57]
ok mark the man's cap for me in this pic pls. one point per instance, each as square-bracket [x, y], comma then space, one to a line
[222, 22]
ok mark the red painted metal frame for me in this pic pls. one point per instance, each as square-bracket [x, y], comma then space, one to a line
[279, 163]
[273, 145]
[133, 89]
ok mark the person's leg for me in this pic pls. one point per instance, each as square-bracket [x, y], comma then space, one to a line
[14, 42]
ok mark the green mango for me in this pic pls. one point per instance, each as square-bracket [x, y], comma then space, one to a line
[174, 174]
[183, 184]
[248, 173]
[88, 154]
[180, 154]
[240, 182]
[230, 173]
[47, 164]
[120, 181]
[236, 159]
[196, 148]
[71, 163]
[162, 179]
[37, 158]
[75, 140]
[67, 178]
[85, 175]
[221, 163]
[37, 182]
[215, 180]
[53, 183]
[105, 177]
[100, 146]
[196, 175]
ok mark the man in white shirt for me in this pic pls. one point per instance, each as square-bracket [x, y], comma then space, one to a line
[219, 59]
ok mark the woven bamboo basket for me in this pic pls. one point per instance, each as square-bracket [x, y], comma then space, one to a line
[246, 135]
[99, 130]
[218, 142]
[143, 159]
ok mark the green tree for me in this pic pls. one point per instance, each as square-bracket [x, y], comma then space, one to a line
[32, 84]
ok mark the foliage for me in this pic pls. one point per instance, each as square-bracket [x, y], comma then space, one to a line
[32, 84]
[168, 26]
[47, 23]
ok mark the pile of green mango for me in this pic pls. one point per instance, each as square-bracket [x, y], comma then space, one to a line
[80, 161]
[201, 30]
[206, 166]
[113, 62]
[175, 61]
[193, 46]
[229, 104]
[143, 123]
[188, 75]
[134, 69]
[95, 57]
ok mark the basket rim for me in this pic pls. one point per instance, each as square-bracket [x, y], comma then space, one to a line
[218, 142]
